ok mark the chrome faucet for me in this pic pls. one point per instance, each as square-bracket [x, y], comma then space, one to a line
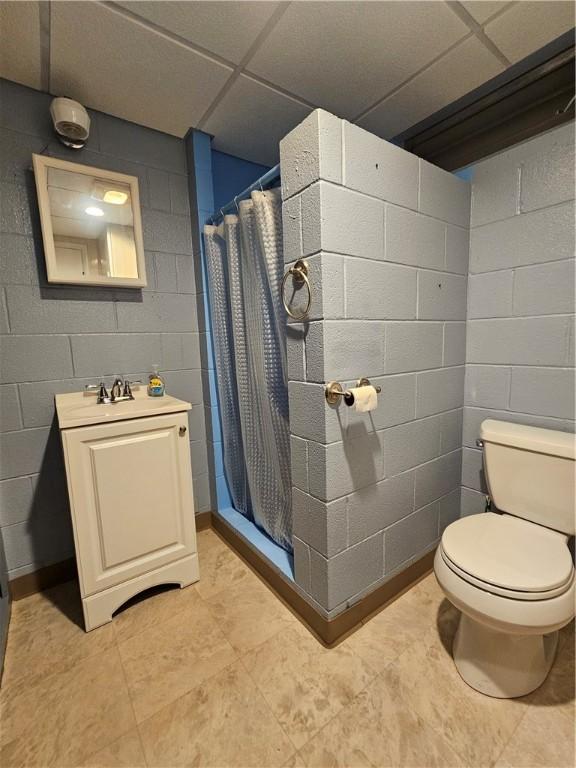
[119, 391]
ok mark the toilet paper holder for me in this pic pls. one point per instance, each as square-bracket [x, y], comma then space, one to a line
[334, 391]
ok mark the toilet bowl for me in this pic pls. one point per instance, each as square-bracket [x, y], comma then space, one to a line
[511, 574]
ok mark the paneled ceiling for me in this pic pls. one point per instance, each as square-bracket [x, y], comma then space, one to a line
[247, 72]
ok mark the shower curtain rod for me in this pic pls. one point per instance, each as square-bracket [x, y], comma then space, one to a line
[267, 178]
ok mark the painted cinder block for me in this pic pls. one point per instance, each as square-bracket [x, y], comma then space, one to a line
[159, 190]
[34, 358]
[451, 430]
[490, 294]
[23, 452]
[545, 289]
[185, 385]
[158, 312]
[543, 391]
[473, 475]
[521, 341]
[444, 195]
[10, 416]
[61, 310]
[44, 539]
[495, 191]
[165, 272]
[441, 390]
[346, 349]
[166, 232]
[531, 238]
[437, 478]
[441, 296]
[378, 168]
[379, 291]
[15, 216]
[18, 265]
[311, 416]
[548, 176]
[487, 386]
[450, 509]
[411, 444]
[323, 526]
[311, 151]
[107, 354]
[16, 497]
[326, 279]
[396, 405]
[457, 249]
[181, 351]
[302, 564]
[413, 346]
[299, 462]
[292, 229]
[296, 351]
[37, 399]
[378, 506]
[337, 469]
[415, 239]
[411, 536]
[454, 352]
[472, 502]
[342, 221]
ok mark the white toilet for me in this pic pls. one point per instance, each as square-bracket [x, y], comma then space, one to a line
[511, 574]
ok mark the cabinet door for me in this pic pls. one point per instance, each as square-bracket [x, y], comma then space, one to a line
[130, 486]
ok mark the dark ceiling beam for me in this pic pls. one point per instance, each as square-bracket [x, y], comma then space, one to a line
[531, 97]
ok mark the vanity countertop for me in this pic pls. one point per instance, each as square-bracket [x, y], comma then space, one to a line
[80, 409]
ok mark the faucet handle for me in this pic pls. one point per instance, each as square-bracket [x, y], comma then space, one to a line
[103, 396]
[128, 388]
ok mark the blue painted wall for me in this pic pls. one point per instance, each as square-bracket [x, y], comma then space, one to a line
[231, 175]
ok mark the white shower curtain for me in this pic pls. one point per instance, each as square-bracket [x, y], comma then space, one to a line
[244, 257]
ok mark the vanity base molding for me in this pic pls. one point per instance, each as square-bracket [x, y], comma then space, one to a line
[99, 608]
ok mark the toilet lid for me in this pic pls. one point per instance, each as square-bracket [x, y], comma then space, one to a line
[509, 552]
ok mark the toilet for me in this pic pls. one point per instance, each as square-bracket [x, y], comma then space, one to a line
[511, 573]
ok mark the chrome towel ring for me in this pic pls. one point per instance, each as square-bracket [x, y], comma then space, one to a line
[299, 274]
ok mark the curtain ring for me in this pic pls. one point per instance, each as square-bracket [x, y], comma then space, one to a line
[299, 274]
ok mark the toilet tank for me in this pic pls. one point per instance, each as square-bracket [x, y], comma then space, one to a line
[531, 473]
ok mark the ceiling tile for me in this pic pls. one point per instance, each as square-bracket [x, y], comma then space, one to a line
[481, 10]
[344, 56]
[251, 120]
[119, 67]
[225, 28]
[528, 26]
[20, 43]
[434, 89]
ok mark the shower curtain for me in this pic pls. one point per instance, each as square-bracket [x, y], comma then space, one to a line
[244, 257]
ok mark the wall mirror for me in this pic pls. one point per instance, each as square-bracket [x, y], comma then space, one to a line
[91, 224]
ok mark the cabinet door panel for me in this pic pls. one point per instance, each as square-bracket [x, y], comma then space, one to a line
[131, 495]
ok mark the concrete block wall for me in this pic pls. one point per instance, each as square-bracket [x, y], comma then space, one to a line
[520, 331]
[386, 238]
[56, 339]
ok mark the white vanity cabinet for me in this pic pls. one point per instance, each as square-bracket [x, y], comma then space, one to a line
[130, 487]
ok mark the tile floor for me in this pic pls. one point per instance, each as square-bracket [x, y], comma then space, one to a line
[222, 674]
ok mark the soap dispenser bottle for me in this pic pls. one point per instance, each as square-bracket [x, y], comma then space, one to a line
[156, 384]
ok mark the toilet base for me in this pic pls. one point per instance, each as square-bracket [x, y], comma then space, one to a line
[502, 665]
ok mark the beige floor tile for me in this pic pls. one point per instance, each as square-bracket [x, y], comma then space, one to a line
[544, 739]
[125, 752]
[296, 761]
[224, 722]
[379, 728]
[249, 615]
[47, 633]
[207, 539]
[558, 689]
[304, 683]
[385, 636]
[477, 727]
[152, 609]
[164, 662]
[65, 716]
[222, 569]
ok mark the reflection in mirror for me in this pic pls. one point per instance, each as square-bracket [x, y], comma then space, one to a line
[91, 224]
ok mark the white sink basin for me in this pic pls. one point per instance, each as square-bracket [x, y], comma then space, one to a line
[79, 409]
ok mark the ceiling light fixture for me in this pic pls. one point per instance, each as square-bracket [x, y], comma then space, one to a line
[115, 197]
[93, 211]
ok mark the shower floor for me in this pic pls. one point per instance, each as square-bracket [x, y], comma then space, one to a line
[277, 556]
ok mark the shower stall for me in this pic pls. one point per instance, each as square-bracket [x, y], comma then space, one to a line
[342, 508]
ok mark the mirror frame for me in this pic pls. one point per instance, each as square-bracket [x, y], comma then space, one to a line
[41, 165]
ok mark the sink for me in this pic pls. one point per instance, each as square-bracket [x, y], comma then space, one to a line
[79, 409]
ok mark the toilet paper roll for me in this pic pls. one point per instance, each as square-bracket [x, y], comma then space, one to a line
[365, 398]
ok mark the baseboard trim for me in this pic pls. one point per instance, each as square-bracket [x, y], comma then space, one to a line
[42, 579]
[330, 631]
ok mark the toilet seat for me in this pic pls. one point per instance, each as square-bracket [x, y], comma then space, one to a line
[508, 556]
